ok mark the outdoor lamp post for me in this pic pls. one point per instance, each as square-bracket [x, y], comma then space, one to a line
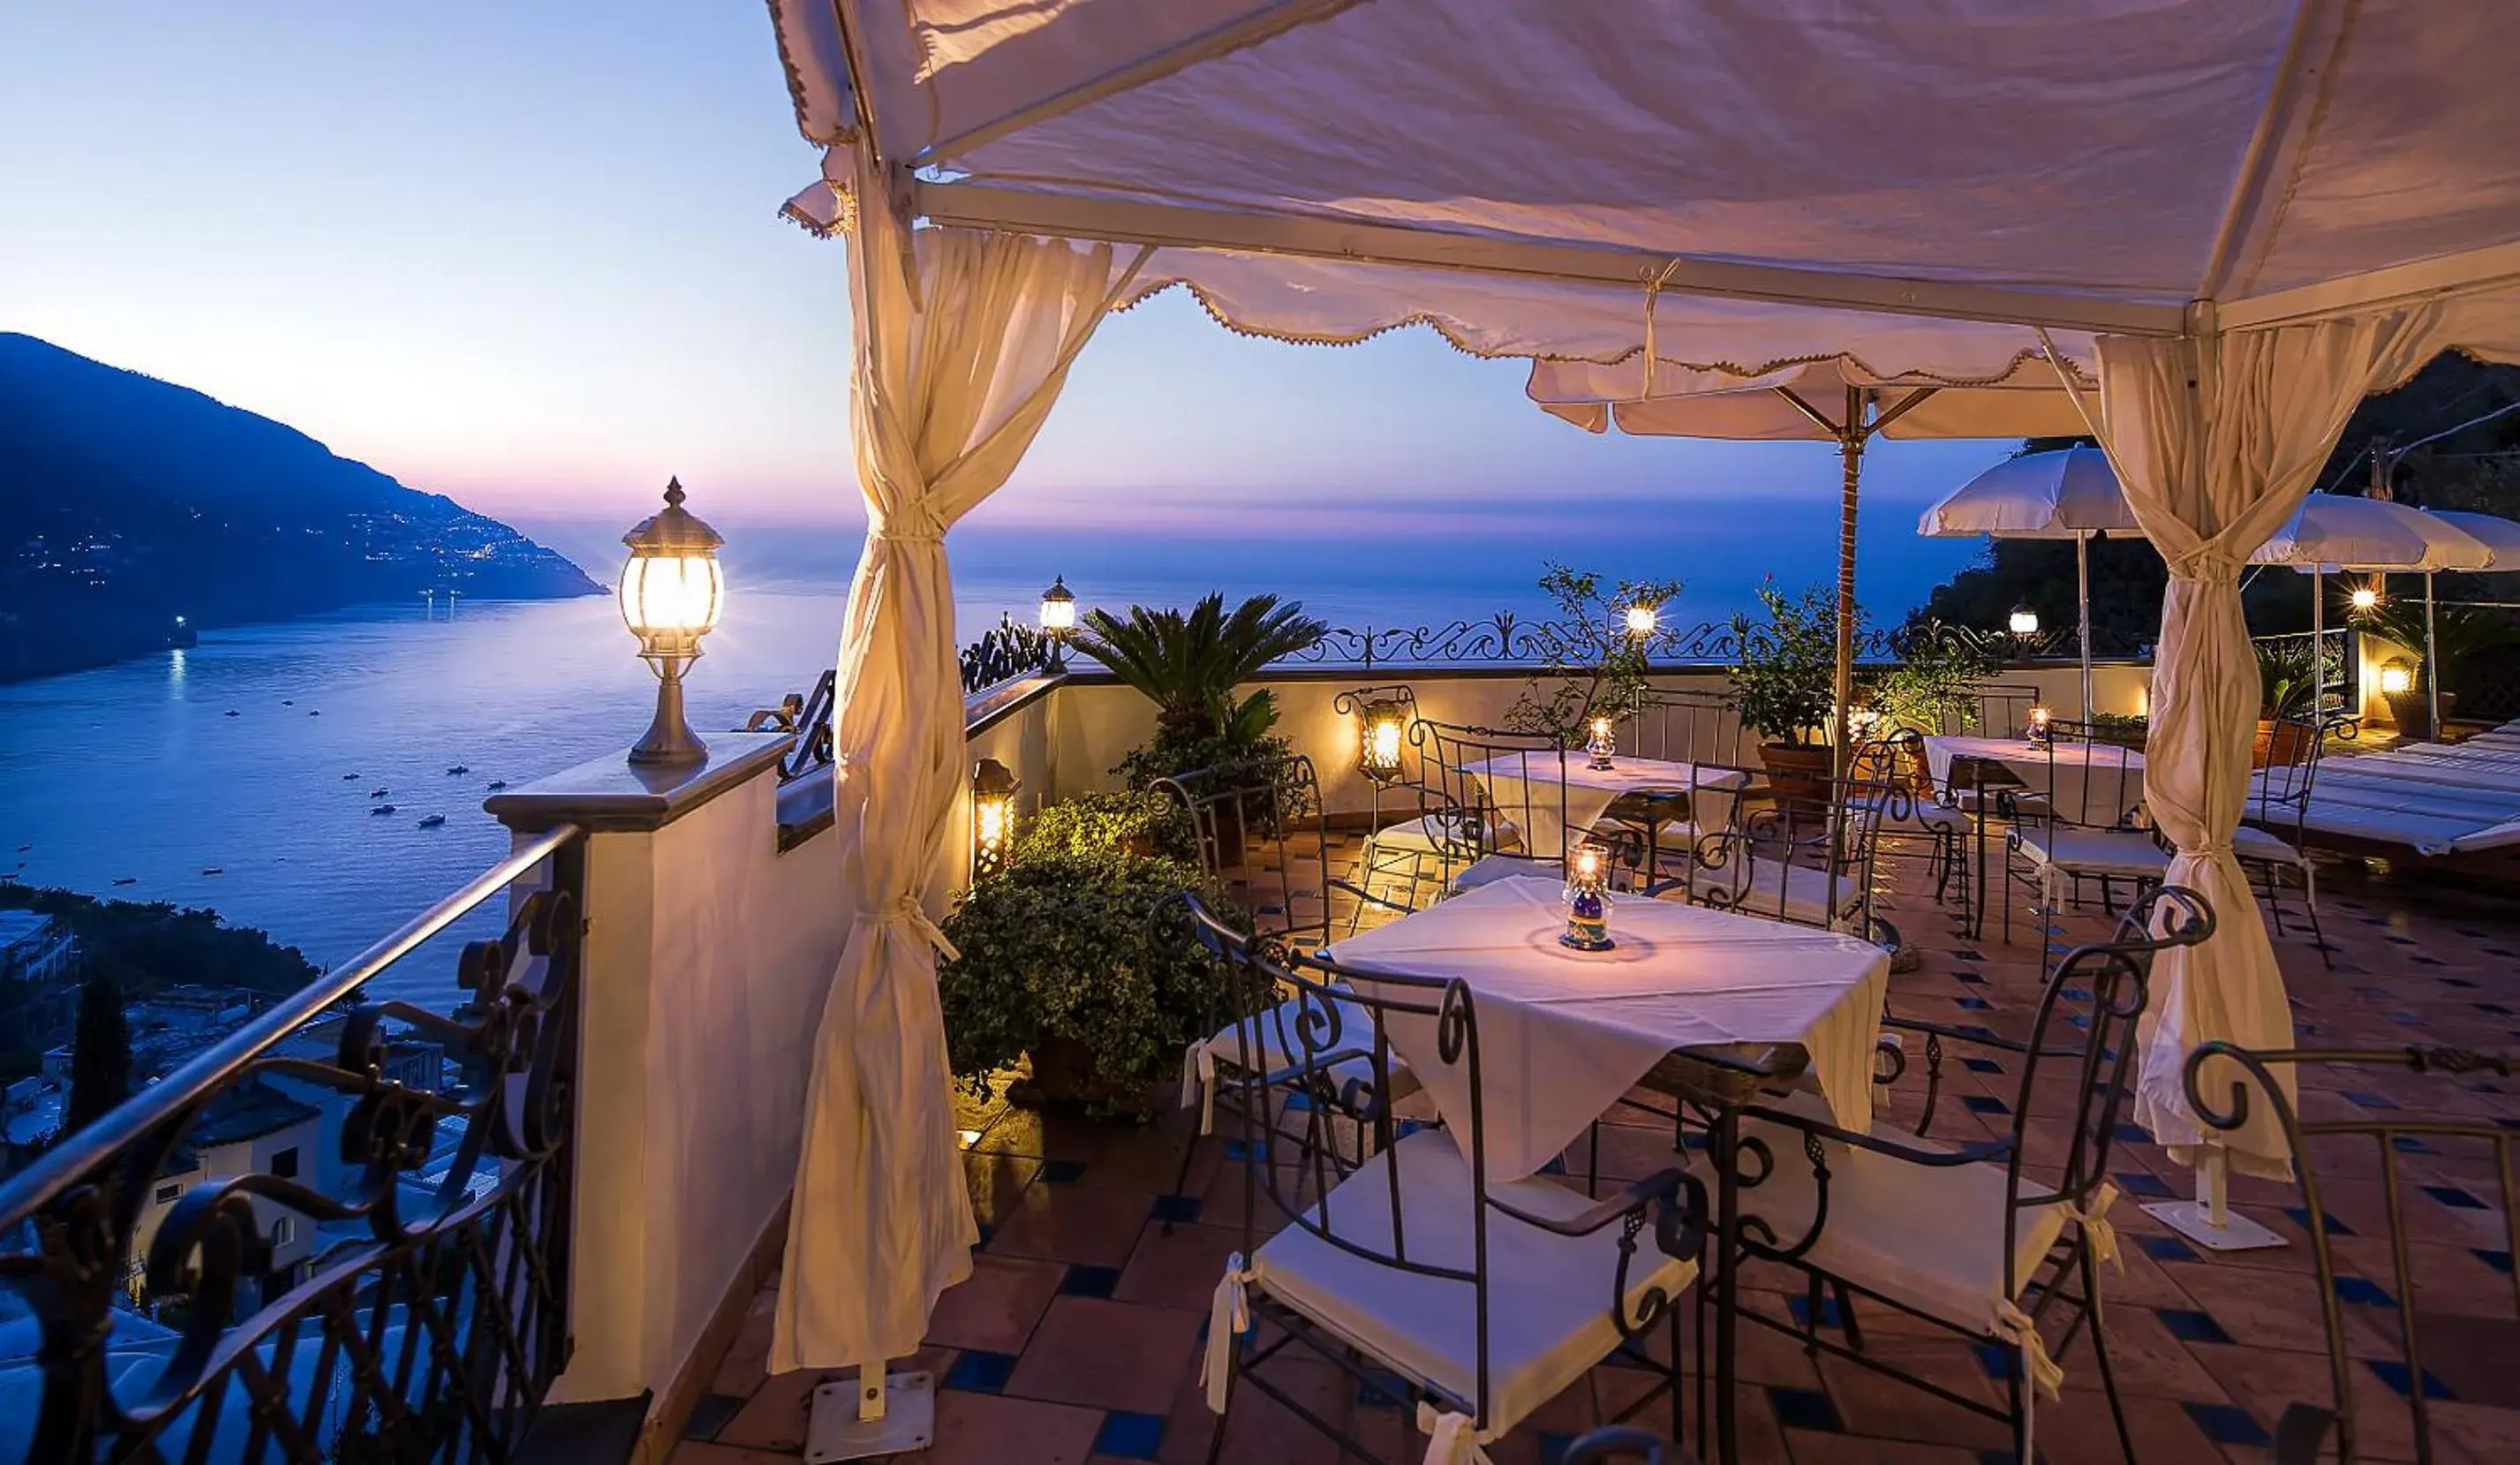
[671, 593]
[2364, 597]
[2023, 622]
[1058, 619]
[994, 787]
[1642, 617]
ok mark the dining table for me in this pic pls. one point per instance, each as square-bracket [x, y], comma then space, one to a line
[2084, 781]
[1710, 1005]
[1525, 786]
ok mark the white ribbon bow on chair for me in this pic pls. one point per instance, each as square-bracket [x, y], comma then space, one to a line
[2094, 1222]
[1199, 1076]
[1452, 1439]
[1229, 1316]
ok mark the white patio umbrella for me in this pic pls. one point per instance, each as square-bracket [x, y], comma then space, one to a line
[2500, 536]
[1836, 400]
[2071, 494]
[2333, 533]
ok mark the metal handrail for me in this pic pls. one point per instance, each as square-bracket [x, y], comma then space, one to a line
[78, 1154]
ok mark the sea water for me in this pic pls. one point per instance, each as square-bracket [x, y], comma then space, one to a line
[258, 754]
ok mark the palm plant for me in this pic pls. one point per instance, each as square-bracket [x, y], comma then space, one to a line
[2459, 632]
[1191, 666]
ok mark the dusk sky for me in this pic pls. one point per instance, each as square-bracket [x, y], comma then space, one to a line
[527, 254]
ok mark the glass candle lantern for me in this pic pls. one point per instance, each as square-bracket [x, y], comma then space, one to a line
[2397, 676]
[2038, 718]
[1587, 900]
[1383, 725]
[1601, 742]
[671, 594]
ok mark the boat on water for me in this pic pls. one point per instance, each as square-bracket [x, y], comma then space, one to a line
[233, 712]
[379, 793]
[349, 778]
[382, 808]
[459, 768]
[433, 821]
[214, 870]
[496, 784]
[128, 880]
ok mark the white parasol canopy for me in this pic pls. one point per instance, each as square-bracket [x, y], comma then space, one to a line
[2500, 536]
[2070, 493]
[2333, 533]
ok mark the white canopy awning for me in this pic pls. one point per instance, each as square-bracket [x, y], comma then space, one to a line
[2084, 165]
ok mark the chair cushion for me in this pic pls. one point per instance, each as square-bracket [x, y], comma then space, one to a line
[1908, 814]
[1548, 1296]
[1278, 1042]
[1798, 893]
[2251, 843]
[1928, 1238]
[2094, 851]
[1436, 833]
[1492, 868]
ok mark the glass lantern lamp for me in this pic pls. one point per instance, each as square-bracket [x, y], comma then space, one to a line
[2365, 598]
[1642, 617]
[1600, 741]
[671, 594]
[2023, 622]
[1383, 725]
[2396, 676]
[1587, 900]
[1058, 619]
[994, 787]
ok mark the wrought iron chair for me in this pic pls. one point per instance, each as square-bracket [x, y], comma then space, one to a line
[1264, 844]
[2475, 1346]
[1622, 1443]
[1963, 1237]
[1998, 710]
[2269, 843]
[1482, 1296]
[1699, 729]
[1495, 808]
[1910, 810]
[1804, 861]
[2074, 826]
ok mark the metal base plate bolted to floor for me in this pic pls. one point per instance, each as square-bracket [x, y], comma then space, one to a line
[834, 1431]
[2191, 1219]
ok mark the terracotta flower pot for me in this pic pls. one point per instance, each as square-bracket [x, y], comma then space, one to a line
[1799, 775]
[2277, 743]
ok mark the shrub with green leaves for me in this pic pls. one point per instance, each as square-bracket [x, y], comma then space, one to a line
[1933, 685]
[1592, 667]
[1788, 677]
[1137, 821]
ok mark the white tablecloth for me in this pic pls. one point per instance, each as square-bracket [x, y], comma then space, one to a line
[1524, 788]
[2074, 763]
[1563, 1034]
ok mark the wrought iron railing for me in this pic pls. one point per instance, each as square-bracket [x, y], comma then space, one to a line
[811, 714]
[1004, 651]
[1507, 639]
[432, 1315]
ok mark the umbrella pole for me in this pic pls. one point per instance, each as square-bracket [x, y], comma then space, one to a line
[2432, 665]
[2318, 642]
[2083, 599]
[1850, 452]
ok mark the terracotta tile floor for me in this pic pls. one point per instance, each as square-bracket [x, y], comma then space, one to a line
[1077, 1337]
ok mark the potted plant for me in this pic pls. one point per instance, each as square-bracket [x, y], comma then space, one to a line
[1934, 684]
[1064, 957]
[2287, 689]
[2461, 633]
[1785, 684]
[1191, 668]
[1600, 666]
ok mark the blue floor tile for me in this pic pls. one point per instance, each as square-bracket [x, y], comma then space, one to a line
[1972, 1004]
[1129, 1436]
[1384, 1392]
[1996, 1359]
[1972, 979]
[2362, 1292]
[2407, 1144]
[2371, 1100]
[2455, 1198]
[1062, 1171]
[2133, 1134]
[1181, 1209]
[711, 1415]
[2301, 1217]
[2191, 1326]
[2229, 1424]
[1557, 1165]
[2397, 1376]
[1089, 1281]
[1243, 1149]
[1552, 1447]
[980, 1372]
[2167, 1248]
[1805, 1410]
[1985, 1104]
[1982, 1065]
[2147, 1186]
[1800, 1307]
[2499, 1261]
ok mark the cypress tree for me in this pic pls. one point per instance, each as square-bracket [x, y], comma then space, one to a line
[99, 1054]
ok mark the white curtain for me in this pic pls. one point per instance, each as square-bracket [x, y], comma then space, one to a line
[962, 341]
[2218, 438]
